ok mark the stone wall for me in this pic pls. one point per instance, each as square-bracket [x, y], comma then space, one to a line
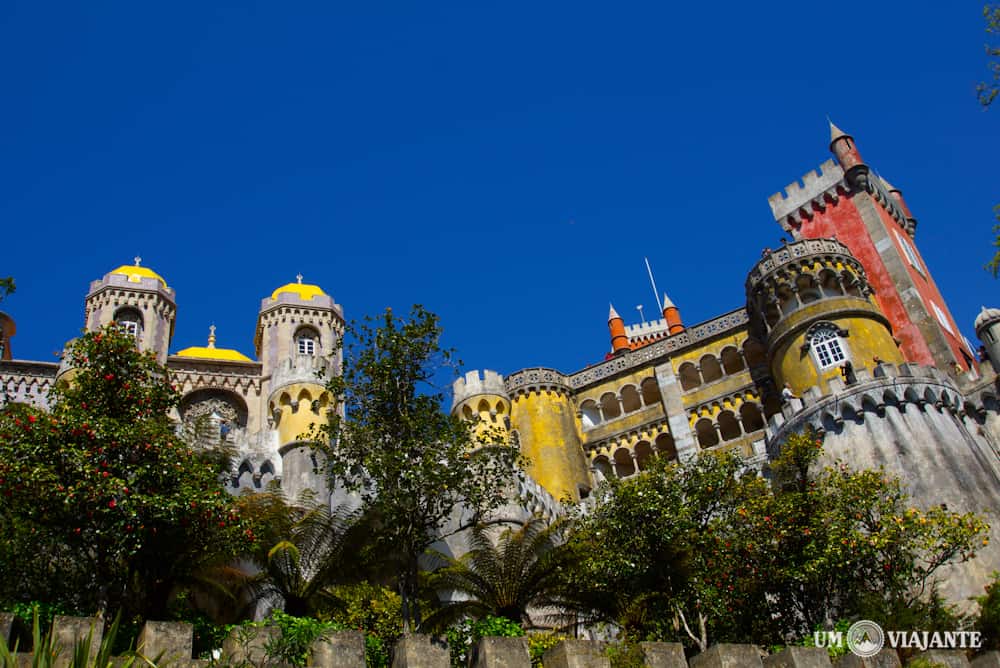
[169, 644]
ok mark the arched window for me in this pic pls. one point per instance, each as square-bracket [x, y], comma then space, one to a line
[650, 392]
[706, 433]
[610, 406]
[711, 370]
[750, 417]
[590, 414]
[130, 320]
[643, 455]
[729, 428]
[306, 341]
[690, 378]
[624, 466]
[665, 446]
[630, 399]
[732, 361]
[827, 346]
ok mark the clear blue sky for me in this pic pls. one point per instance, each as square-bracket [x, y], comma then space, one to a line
[506, 164]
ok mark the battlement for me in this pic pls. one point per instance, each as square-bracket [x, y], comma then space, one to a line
[813, 189]
[472, 384]
[653, 328]
[821, 408]
[131, 283]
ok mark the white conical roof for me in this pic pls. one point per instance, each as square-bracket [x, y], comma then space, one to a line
[612, 314]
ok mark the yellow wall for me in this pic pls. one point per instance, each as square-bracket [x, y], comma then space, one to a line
[489, 428]
[298, 424]
[546, 424]
[867, 338]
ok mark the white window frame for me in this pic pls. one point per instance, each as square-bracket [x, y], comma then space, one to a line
[911, 255]
[942, 318]
[306, 344]
[827, 347]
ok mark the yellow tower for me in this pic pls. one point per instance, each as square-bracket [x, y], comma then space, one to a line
[543, 421]
[483, 400]
[812, 307]
[297, 343]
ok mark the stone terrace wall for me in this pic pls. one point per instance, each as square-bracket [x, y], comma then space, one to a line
[171, 643]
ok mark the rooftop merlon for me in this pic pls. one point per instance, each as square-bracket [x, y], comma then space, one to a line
[814, 185]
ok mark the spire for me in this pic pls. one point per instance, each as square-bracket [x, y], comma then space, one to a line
[835, 132]
[672, 315]
[298, 278]
[138, 260]
[619, 339]
[211, 336]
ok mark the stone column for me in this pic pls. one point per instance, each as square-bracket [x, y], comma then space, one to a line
[887, 658]
[6, 622]
[338, 649]
[166, 642]
[247, 644]
[726, 655]
[68, 631]
[663, 655]
[988, 660]
[799, 657]
[574, 653]
[673, 406]
[501, 653]
[952, 658]
[419, 651]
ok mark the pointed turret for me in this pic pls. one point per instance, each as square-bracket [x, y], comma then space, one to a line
[842, 145]
[672, 315]
[896, 194]
[616, 325]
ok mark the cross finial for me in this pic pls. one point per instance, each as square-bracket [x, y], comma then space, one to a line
[211, 336]
[298, 277]
[137, 260]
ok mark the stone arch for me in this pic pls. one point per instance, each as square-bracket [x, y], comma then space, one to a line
[711, 370]
[643, 455]
[216, 405]
[729, 426]
[690, 378]
[266, 473]
[889, 398]
[848, 412]
[829, 283]
[610, 408]
[603, 467]
[808, 288]
[244, 475]
[466, 412]
[706, 433]
[650, 392]
[630, 399]
[930, 396]
[829, 423]
[590, 414]
[751, 417]
[483, 407]
[869, 405]
[732, 361]
[624, 466]
[306, 341]
[500, 408]
[910, 396]
[852, 286]
[665, 446]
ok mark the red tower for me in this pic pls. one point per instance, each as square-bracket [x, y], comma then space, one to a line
[847, 201]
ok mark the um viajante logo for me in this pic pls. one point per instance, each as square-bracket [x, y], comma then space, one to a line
[865, 638]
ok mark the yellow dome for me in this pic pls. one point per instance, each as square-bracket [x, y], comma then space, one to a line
[206, 353]
[136, 273]
[210, 352]
[305, 291]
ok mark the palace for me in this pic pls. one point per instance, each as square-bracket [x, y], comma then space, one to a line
[843, 331]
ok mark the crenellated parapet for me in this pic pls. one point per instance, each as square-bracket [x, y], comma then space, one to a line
[474, 384]
[816, 191]
[827, 409]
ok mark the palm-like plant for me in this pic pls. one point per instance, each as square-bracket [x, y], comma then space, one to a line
[321, 549]
[522, 571]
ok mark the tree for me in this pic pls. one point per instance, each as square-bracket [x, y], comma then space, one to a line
[987, 92]
[122, 509]
[7, 287]
[708, 544]
[522, 570]
[413, 465]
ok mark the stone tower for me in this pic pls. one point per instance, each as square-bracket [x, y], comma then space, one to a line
[544, 423]
[988, 331]
[811, 306]
[846, 201]
[484, 400]
[298, 330]
[139, 300]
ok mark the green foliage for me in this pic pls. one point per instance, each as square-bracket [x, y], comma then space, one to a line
[45, 654]
[7, 287]
[524, 569]
[373, 608]
[463, 636]
[541, 642]
[297, 634]
[994, 264]
[708, 543]
[412, 463]
[123, 509]
[987, 91]
[988, 622]
[626, 655]
[835, 651]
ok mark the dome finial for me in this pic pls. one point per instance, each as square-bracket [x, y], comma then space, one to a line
[138, 260]
[211, 336]
[298, 278]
